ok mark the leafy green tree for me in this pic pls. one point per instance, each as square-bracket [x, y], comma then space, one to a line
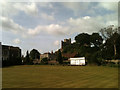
[107, 32]
[83, 39]
[27, 59]
[118, 47]
[44, 61]
[68, 49]
[34, 54]
[96, 40]
[111, 36]
[113, 44]
[78, 54]
[94, 58]
[59, 57]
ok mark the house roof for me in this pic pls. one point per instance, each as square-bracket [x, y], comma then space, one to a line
[79, 58]
[69, 55]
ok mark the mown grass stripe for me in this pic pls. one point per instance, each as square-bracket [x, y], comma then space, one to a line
[40, 76]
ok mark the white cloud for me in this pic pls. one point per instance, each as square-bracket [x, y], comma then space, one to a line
[53, 29]
[84, 25]
[76, 7]
[91, 24]
[90, 8]
[109, 5]
[57, 42]
[16, 41]
[7, 8]
[47, 17]
[86, 17]
[9, 25]
[12, 8]
[115, 23]
[30, 9]
[45, 4]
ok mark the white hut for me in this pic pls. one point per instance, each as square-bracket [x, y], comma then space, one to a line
[77, 61]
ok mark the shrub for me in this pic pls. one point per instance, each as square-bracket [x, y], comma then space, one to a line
[44, 61]
[65, 58]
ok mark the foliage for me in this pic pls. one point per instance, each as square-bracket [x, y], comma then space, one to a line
[112, 42]
[59, 57]
[96, 40]
[44, 61]
[111, 47]
[93, 48]
[27, 59]
[83, 39]
[89, 46]
[34, 54]
[94, 58]
[65, 58]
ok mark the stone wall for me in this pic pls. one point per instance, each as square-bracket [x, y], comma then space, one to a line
[9, 52]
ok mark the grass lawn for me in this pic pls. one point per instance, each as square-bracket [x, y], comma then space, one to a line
[46, 76]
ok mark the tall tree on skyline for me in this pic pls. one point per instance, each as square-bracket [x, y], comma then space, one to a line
[83, 39]
[96, 39]
[27, 58]
[59, 57]
[34, 54]
[111, 36]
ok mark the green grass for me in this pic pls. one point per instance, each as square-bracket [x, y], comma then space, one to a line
[46, 76]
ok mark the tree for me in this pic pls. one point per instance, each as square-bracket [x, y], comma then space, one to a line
[111, 36]
[113, 43]
[107, 32]
[27, 58]
[44, 61]
[59, 57]
[96, 39]
[34, 54]
[83, 39]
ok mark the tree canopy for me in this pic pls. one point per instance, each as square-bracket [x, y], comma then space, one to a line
[34, 54]
[93, 48]
[96, 39]
[59, 57]
[83, 39]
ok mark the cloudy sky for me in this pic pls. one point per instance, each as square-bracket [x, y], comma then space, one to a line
[42, 25]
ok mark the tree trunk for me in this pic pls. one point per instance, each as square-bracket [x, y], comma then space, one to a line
[115, 52]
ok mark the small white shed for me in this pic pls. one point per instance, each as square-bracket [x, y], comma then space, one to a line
[77, 61]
